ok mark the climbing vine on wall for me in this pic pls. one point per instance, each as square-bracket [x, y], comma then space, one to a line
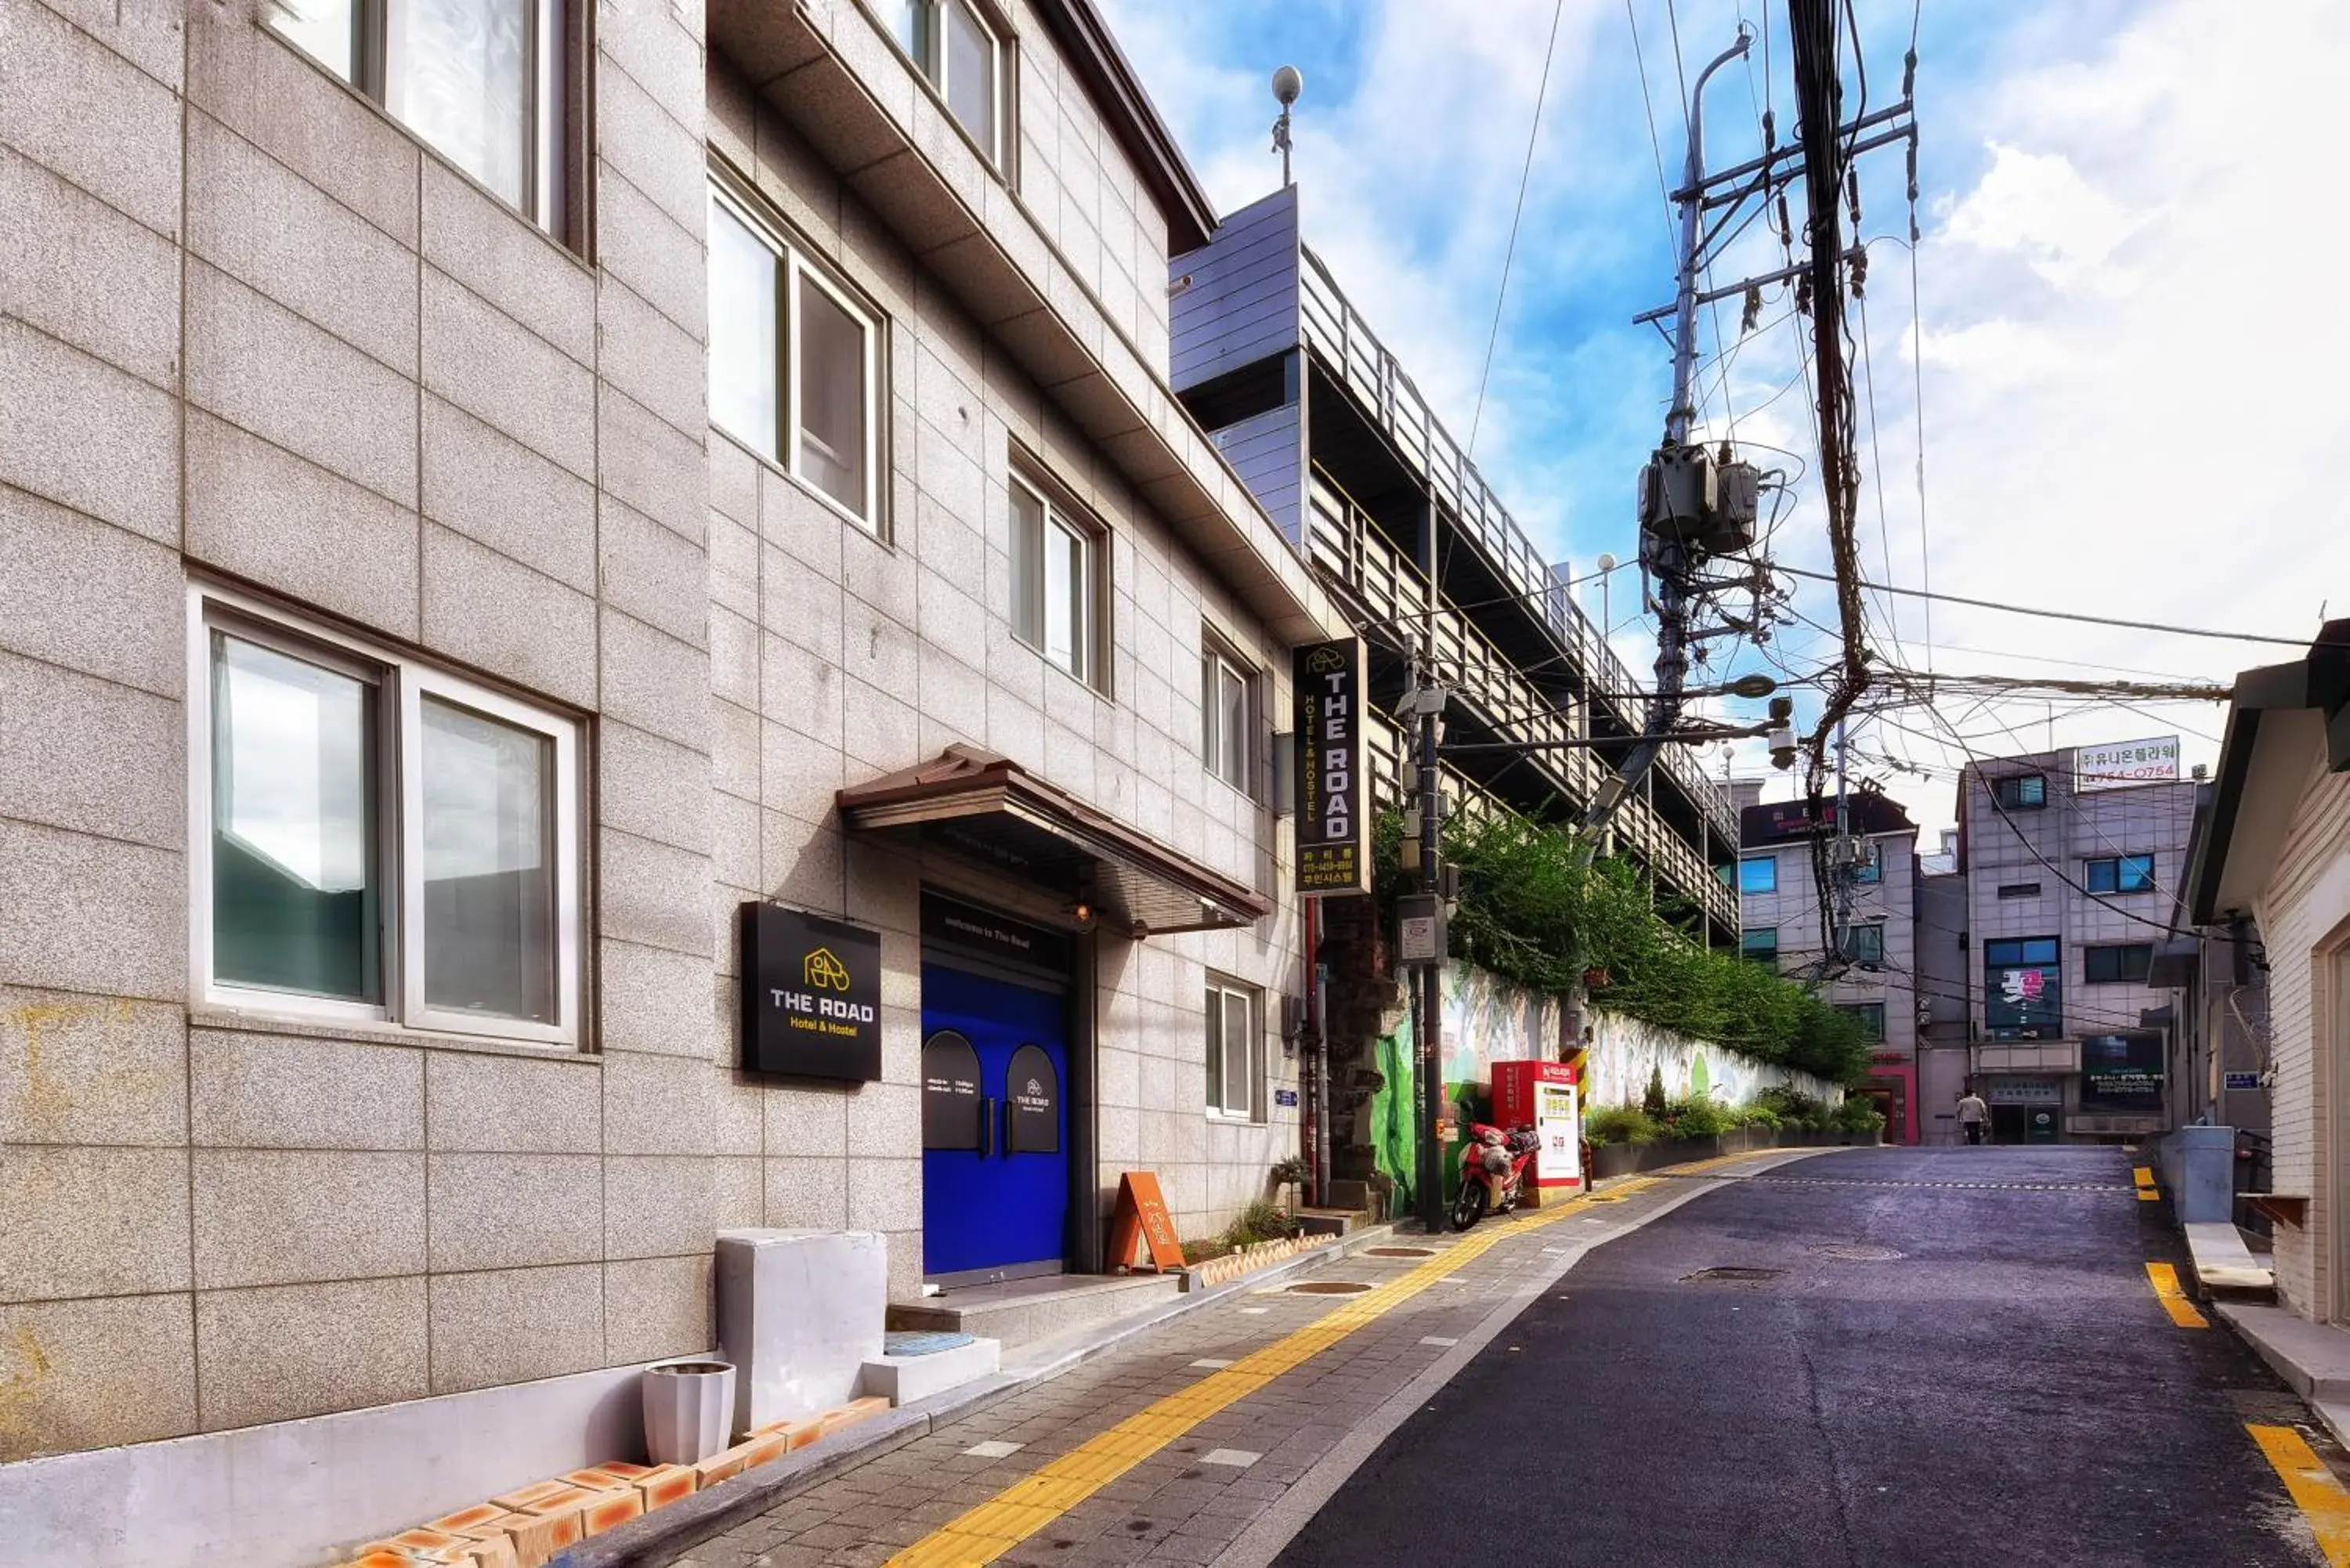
[1536, 908]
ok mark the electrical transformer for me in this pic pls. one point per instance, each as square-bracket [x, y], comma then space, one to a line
[1689, 494]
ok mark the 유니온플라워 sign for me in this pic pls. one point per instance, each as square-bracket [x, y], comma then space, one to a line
[1334, 830]
[2119, 764]
[811, 995]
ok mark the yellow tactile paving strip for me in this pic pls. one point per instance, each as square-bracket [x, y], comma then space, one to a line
[2173, 1296]
[2322, 1499]
[1028, 1505]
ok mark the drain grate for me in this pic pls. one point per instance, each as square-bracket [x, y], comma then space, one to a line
[1853, 1252]
[1730, 1274]
[1329, 1288]
[1398, 1252]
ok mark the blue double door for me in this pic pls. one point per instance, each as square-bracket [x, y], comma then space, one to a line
[995, 1128]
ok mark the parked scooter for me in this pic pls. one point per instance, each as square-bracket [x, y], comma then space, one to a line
[1494, 1165]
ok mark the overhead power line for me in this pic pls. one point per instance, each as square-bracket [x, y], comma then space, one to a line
[2299, 642]
[1534, 134]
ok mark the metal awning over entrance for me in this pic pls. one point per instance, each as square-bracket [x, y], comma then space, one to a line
[991, 809]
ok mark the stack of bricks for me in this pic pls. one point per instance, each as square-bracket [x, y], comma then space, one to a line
[777, 1438]
[1249, 1259]
[525, 1528]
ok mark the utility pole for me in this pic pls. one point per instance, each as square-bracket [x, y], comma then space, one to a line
[1692, 506]
[1427, 700]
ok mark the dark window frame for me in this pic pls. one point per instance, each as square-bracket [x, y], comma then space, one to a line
[795, 259]
[2119, 874]
[1852, 950]
[926, 52]
[557, 182]
[1058, 511]
[1755, 952]
[2128, 963]
[2020, 792]
[1862, 1012]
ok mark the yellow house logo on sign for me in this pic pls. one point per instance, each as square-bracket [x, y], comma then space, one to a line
[1325, 659]
[822, 969]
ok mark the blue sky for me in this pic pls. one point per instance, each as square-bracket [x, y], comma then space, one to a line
[2112, 378]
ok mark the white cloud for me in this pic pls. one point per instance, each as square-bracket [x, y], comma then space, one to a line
[2037, 206]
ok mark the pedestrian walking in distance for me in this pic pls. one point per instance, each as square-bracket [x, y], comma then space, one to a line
[1974, 1115]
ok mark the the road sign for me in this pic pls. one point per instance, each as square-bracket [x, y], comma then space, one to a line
[2243, 1080]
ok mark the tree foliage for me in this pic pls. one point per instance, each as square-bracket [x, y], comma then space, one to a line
[1537, 909]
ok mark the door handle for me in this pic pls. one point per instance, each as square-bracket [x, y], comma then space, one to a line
[986, 1127]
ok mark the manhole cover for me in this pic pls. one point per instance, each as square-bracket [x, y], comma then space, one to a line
[1853, 1252]
[1730, 1275]
[1398, 1252]
[1329, 1288]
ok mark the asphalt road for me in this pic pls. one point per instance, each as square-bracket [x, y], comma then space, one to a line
[1933, 1373]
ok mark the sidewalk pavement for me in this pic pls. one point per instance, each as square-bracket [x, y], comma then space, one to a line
[1214, 1435]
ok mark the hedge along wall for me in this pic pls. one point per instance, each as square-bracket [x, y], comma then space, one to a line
[1488, 1019]
[1624, 1051]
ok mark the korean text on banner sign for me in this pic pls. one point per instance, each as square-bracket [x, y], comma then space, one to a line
[2119, 764]
[1334, 830]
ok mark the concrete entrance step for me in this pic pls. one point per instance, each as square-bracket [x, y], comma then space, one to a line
[2227, 1267]
[1020, 1311]
[2311, 1357]
[1333, 1221]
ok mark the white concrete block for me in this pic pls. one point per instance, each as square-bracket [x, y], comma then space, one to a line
[799, 1315]
[329, 1481]
[902, 1379]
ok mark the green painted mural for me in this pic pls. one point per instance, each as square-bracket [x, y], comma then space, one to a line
[1488, 1020]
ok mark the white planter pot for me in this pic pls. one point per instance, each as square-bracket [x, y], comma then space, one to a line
[689, 1410]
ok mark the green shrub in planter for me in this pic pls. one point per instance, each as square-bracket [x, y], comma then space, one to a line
[1791, 1106]
[1858, 1115]
[1620, 1123]
[1699, 1118]
[1758, 1116]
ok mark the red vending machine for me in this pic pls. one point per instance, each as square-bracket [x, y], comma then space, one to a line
[1543, 1095]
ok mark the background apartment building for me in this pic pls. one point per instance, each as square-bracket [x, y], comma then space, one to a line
[1875, 976]
[2069, 858]
[1945, 994]
[474, 514]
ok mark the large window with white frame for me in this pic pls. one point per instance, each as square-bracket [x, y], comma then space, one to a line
[484, 82]
[1057, 564]
[377, 840]
[955, 44]
[1236, 1052]
[1225, 728]
[795, 360]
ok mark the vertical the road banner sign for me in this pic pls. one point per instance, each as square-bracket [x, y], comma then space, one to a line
[1333, 829]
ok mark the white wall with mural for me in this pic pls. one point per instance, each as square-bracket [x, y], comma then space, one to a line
[1624, 1051]
[1488, 1020]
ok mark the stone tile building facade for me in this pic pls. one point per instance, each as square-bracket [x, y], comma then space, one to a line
[2069, 891]
[1780, 924]
[403, 682]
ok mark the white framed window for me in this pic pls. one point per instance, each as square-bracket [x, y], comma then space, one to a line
[794, 361]
[374, 839]
[483, 82]
[1236, 1052]
[1224, 718]
[1057, 561]
[956, 45]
